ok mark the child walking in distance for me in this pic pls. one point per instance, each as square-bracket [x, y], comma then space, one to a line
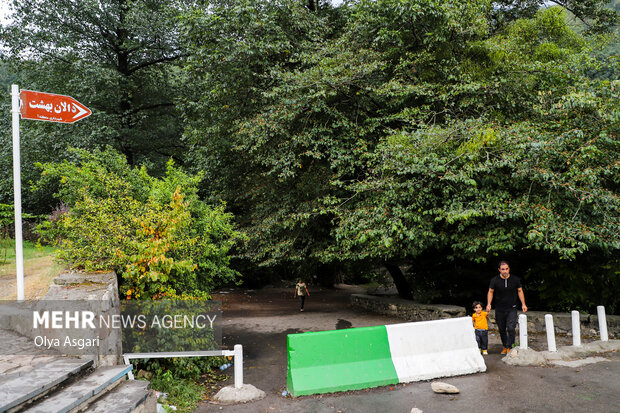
[482, 327]
[301, 291]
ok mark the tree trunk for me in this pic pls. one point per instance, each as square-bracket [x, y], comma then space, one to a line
[401, 283]
[123, 67]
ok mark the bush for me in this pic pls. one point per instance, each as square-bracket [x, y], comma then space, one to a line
[155, 232]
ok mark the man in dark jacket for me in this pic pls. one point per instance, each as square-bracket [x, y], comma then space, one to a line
[508, 292]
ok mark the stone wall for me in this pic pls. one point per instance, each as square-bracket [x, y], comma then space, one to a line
[411, 311]
[95, 292]
[405, 309]
[100, 290]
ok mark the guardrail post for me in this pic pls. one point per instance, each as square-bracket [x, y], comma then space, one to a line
[523, 331]
[602, 322]
[576, 328]
[130, 374]
[238, 366]
[550, 332]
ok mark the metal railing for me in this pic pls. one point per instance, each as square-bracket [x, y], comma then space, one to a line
[237, 353]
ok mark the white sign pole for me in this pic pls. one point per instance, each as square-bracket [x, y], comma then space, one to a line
[17, 186]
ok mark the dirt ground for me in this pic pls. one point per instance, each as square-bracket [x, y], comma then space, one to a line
[38, 275]
[261, 319]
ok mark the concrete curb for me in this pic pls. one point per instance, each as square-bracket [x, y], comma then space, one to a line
[565, 356]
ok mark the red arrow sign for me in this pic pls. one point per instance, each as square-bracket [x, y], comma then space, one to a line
[51, 108]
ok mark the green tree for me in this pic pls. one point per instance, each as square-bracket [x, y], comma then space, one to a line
[473, 189]
[317, 115]
[310, 150]
[120, 58]
[594, 14]
[239, 51]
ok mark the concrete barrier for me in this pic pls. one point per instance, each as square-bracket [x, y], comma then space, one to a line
[359, 358]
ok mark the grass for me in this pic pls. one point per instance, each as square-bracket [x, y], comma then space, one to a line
[39, 270]
[7, 251]
[184, 394]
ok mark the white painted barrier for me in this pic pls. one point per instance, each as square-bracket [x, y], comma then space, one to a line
[602, 322]
[550, 332]
[523, 331]
[576, 328]
[429, 349]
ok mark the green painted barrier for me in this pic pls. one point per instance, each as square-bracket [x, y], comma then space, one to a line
[338, 360]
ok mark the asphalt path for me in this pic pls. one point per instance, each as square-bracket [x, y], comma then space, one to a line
[260, 321]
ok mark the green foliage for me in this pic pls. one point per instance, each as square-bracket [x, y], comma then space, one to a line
[155, 232]
[593, 14]
[455, 129]
[182, 393]
[319, 116]
[7, 228]
[184, 379]
[531, 188]
[117, 58]
[380, 130]
[7, 216]
[582, 284]
[277, 38]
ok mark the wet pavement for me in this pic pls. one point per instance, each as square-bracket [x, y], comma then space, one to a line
[260, 321]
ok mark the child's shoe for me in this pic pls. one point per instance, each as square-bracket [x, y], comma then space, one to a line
[485, 353]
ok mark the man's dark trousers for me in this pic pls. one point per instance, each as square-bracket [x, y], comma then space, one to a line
[506, 323]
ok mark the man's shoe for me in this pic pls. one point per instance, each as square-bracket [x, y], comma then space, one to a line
[485, 353]
[506, 350]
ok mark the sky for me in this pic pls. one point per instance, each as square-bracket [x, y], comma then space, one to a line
[4, 9]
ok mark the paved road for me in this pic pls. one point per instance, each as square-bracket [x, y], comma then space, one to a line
[260, 321]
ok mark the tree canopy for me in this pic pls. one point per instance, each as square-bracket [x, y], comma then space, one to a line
[120, 58]
[408, 129]
[440, 135]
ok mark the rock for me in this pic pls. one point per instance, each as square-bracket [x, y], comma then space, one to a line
[246, 393]
[524, 357]
[416, 410]
[441, 387]
[143, 374]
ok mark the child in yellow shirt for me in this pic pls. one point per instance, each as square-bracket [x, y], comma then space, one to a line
[481, 326]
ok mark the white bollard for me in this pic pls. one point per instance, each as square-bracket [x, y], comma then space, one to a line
[576, 328]
[602, 323]
[238, 366]
[523, 331]
[550, 332]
